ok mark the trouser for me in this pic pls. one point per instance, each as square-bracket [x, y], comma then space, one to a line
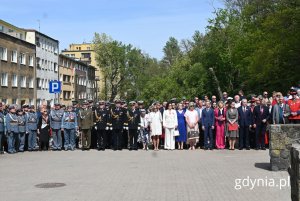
[12, 136]
[294, 121]
[117, 138]
[208, 137]
[32, 140]
[21, 141]
[1, 136]
[169, 138]
[101, 138]
[133, 135]
[86, 138]
[201, 136]
[57, 140]
[260, 133]
[93, 138]
[244, 137]
[69, 135]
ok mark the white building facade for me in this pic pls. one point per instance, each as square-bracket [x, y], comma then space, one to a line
[47, 55]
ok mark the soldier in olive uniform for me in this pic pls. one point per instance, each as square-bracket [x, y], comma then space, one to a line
[118, 116]
[31, 128]
[55, 123]
[2, 127]
[85, 120]
[22, 130]
[12, 129]
[101, 115]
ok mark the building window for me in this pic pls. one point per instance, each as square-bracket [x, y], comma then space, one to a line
[3, 53]
[1, 28]
[86, 55]
[14, 55]
[4, 79]
[14, 80]
[31, 83]
[10, 30]
[23, 58]
[38, 83]
[55, 67]
[4, 100]
[88, 48]
[23, 81]
[14, 101]
[72, 55]
[30, 60]
[31, 102]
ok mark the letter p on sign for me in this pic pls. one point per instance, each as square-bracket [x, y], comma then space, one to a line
[54, 87]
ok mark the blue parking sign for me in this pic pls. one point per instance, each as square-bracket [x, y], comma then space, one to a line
[54, 87]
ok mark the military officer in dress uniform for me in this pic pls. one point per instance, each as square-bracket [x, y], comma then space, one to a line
[133, 118]
[101, 115]
[69, 125]
[12, 129]
[85, 120]
[2, 127]
[117, 118]
[31, 128]
[109, 139]
[55, 123]
[22, 130]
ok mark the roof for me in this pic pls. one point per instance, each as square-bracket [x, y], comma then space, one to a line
[18, 39]
[77, 61]
[4, 22]
[33, 30]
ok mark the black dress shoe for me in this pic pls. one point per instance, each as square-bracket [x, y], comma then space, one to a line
[205, 148]
[211, 149]
[256, 148]
[241, 148]
[248, 148]
[263, 148]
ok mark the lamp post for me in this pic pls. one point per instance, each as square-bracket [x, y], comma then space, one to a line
[96, 80]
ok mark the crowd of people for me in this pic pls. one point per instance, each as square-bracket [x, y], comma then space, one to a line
[203, 123]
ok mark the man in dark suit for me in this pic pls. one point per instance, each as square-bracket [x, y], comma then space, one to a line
[260, 117]
[208, 122]
[245, 123]
[118, 116]
[133, 116]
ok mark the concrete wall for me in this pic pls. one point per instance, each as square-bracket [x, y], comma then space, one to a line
[281, 139]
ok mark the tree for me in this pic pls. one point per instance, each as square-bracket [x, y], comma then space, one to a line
[171, 51]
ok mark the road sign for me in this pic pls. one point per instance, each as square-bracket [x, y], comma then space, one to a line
[54, 87]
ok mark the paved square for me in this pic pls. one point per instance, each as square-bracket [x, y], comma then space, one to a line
[138, 175]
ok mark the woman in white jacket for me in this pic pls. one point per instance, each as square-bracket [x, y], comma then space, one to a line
[170, 123]
[155, 120]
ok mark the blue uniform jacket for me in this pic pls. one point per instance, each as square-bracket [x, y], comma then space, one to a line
[69, 120]
[31, 121]
[12, 123]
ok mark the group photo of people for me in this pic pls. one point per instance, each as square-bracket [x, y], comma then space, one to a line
[206, 123]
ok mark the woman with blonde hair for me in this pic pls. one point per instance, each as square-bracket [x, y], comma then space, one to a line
[220, 116]
[191, 117]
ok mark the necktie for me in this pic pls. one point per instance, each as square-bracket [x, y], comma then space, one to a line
[261, 110]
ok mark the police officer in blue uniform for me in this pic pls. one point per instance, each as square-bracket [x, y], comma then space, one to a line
[31, 128]
[101, 118]
[2, 127]
[12, 129]
[55, 123]
[133, 118]
[22, 130]
[69, 125]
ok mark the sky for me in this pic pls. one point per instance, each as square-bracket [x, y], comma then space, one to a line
[146, 24]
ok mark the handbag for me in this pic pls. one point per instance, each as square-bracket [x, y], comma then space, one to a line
[233, 127]
[176, 133]
[193, 134]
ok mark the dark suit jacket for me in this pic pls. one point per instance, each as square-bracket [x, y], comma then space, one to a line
[258, 117]
[135, 119]
[208, 117]
[245, 118]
